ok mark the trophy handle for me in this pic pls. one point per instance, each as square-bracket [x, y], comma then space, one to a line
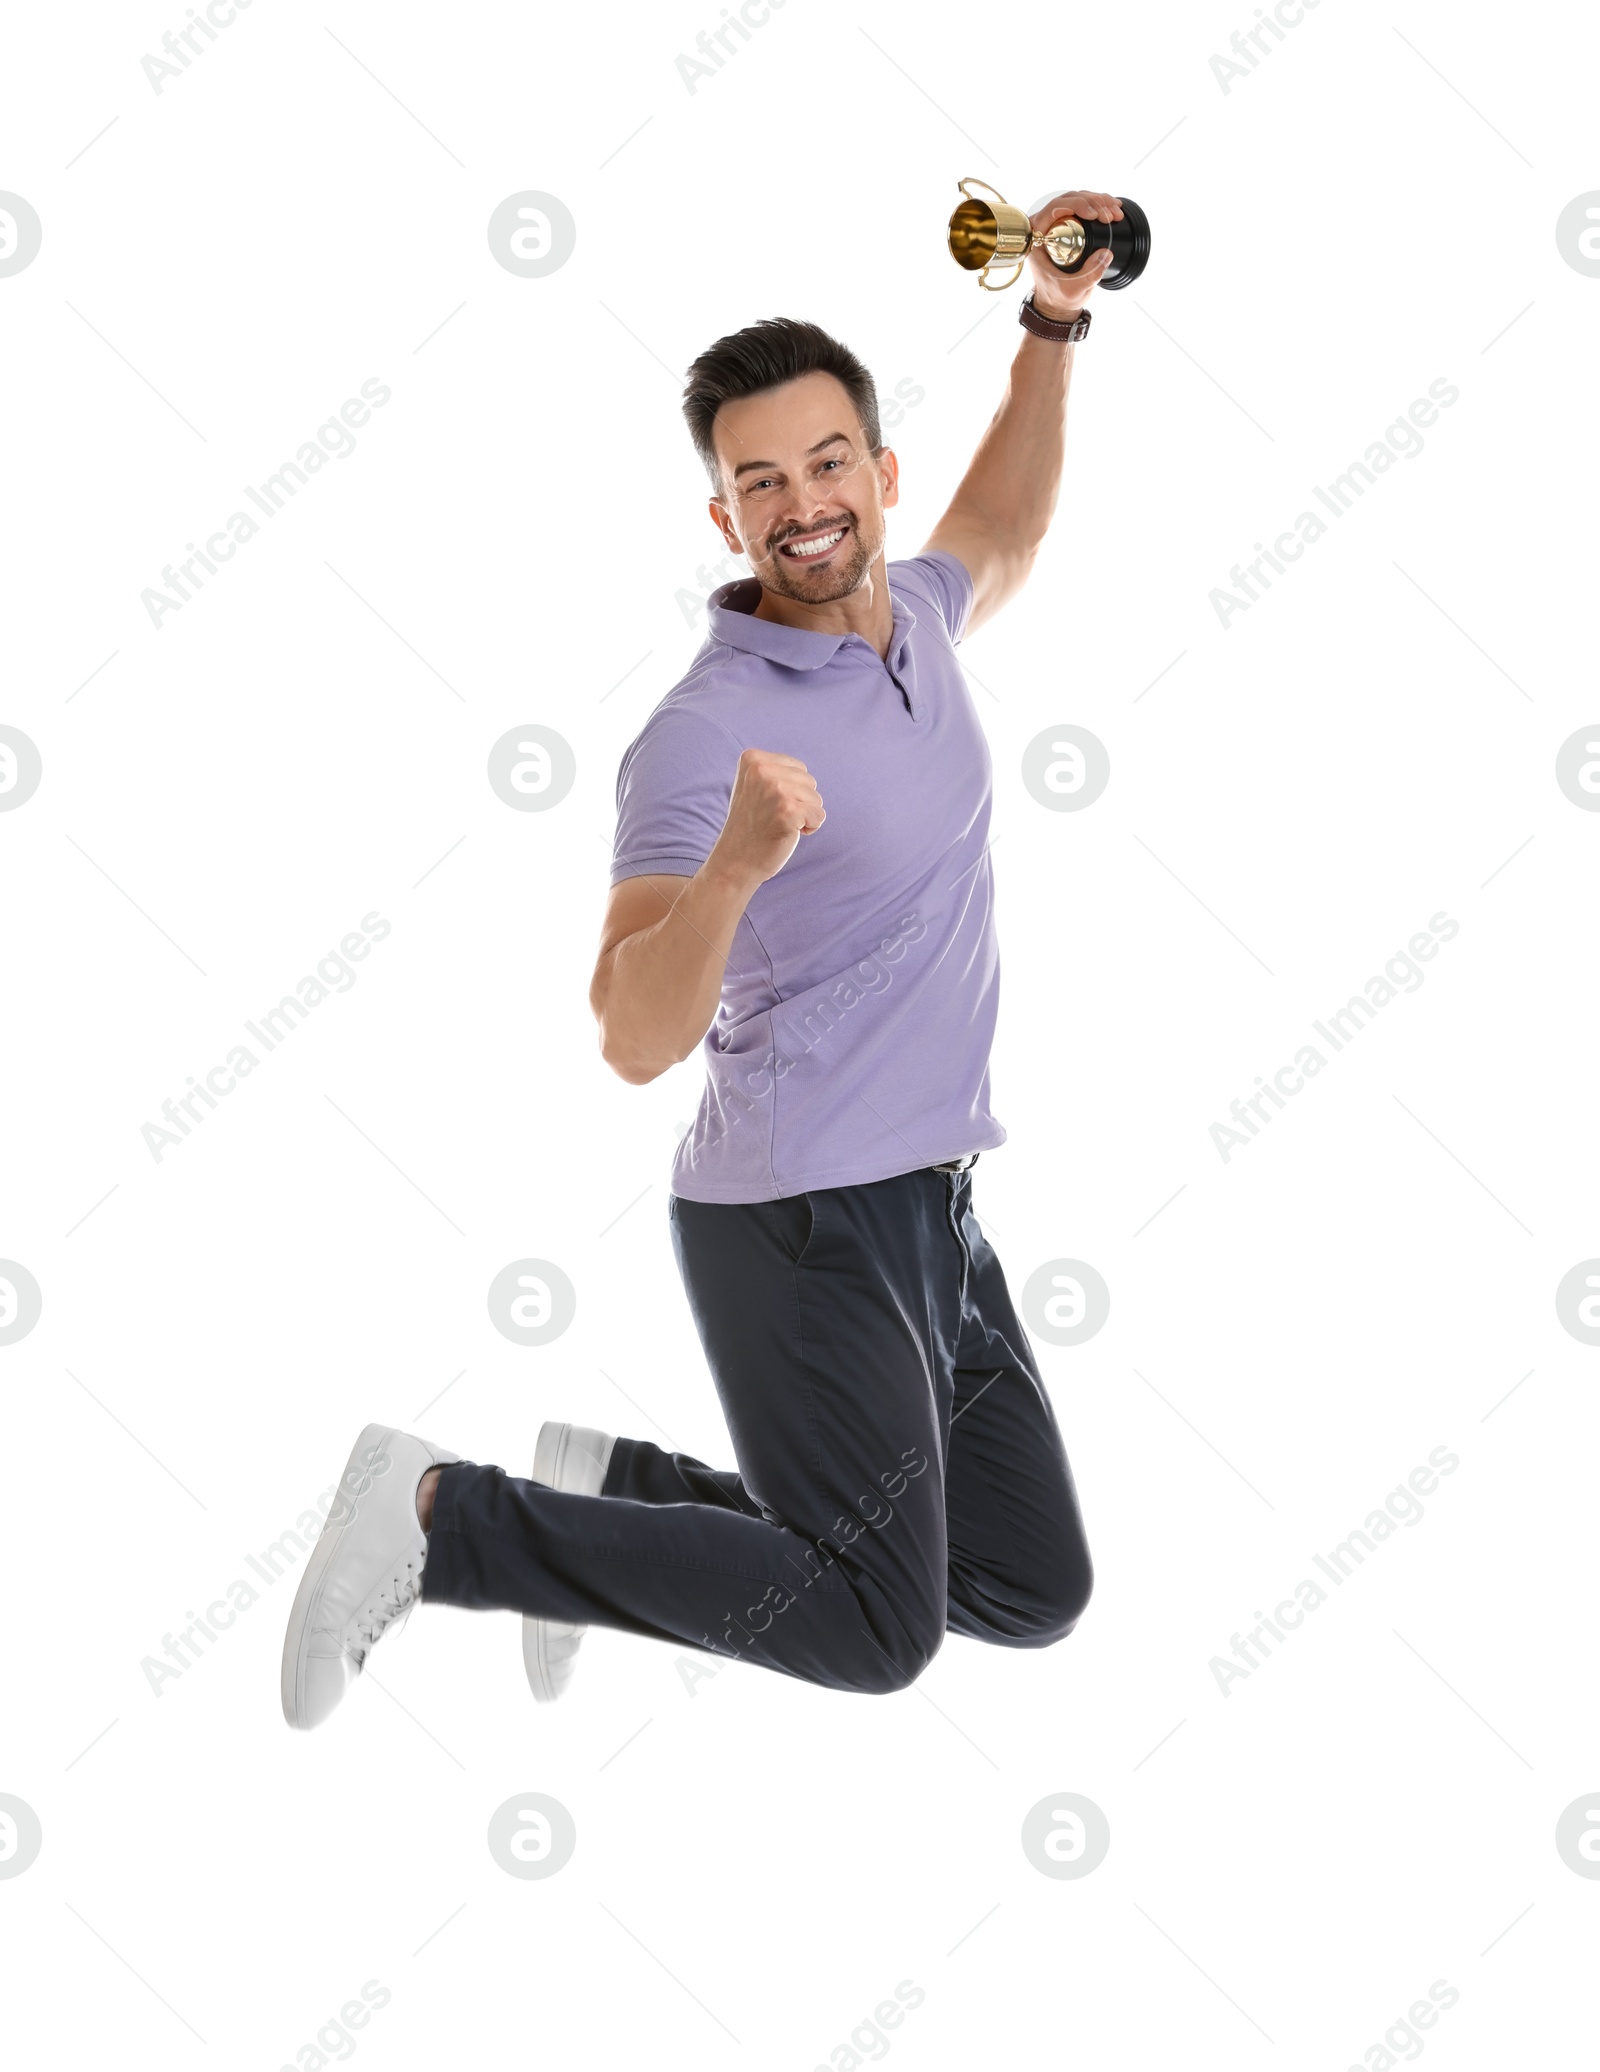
[994, 287]
[998, 287]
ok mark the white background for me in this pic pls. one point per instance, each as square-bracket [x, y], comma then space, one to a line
[1365, 212]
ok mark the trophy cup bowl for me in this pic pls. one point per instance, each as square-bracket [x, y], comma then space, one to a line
[985, 234]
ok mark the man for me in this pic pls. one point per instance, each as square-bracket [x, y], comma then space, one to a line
[801, 880]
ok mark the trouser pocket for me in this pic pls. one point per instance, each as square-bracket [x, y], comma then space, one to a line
[795, 1220]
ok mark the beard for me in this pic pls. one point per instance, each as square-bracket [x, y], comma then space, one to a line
[842, 577]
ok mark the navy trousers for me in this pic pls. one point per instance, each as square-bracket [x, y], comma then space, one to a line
[900, 1470]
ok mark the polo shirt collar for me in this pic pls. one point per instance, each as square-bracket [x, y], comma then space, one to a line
[730, 619]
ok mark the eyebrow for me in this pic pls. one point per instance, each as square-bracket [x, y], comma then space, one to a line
[831, 439]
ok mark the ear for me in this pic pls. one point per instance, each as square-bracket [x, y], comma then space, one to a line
[889, 477]
[725, 525]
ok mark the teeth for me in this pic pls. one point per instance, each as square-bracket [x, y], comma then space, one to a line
[815, 546]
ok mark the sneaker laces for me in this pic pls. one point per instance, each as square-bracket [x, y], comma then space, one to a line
[394, 1600]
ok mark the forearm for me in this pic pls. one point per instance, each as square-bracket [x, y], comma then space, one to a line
[656, 991]
[1014, 479]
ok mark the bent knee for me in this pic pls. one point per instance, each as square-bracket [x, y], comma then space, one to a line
[1055, 1612]
[884, 1668]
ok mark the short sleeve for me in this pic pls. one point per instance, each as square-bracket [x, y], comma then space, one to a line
[672, 795]
[942, 581]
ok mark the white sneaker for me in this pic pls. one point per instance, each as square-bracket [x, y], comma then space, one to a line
[574, 1458]
[364, 1571]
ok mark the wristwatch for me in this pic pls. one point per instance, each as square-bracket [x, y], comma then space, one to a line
[1063, 333]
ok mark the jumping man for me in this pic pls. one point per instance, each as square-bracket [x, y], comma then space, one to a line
[801, 886]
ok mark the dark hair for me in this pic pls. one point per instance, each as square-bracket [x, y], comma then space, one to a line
[765, 356]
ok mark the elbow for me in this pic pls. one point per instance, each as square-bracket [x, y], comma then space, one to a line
[637, 1055]
[633, 1074]
[629, 1065]
[623, 1059]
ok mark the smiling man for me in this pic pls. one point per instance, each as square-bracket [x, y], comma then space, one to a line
[800, 887]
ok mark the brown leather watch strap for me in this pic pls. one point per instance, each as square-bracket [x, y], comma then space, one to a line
[1062, 333]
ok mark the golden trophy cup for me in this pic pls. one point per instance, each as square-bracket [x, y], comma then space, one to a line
[985, 234]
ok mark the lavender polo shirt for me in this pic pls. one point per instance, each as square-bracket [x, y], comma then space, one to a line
[858, 1007]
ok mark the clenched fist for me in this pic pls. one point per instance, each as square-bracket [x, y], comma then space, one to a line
[1058, 294]
[775, 801]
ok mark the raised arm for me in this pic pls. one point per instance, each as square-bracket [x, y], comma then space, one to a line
[1002, 510]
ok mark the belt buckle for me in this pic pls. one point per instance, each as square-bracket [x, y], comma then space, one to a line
[957, 1165]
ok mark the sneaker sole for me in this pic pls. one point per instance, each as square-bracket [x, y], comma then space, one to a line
[291, 1688]
[549, 1460]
